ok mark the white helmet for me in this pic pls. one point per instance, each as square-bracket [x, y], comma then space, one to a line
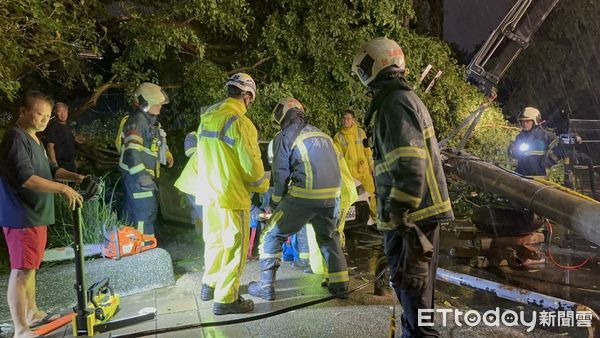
[148, 94]
[530, 113]
[244, 82]
[375, 56]
[283, 107]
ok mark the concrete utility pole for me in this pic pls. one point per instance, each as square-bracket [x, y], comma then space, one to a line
[578, 213]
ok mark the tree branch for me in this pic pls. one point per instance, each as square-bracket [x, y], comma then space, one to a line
[93, 100]
[260, 62]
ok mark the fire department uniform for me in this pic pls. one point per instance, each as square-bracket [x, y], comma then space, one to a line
[531, 149]
[144, 149]
[229, 169]
[307, 188]
[411, 184]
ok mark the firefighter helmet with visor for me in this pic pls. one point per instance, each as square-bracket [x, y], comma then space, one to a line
[375, 56]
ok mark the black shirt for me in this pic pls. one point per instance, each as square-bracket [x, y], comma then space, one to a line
[64, 144]
[20, 158]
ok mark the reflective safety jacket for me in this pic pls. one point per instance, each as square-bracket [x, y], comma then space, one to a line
[531, 149]
[409, 173]
[348, 194]
[228, 158]
[306, 166]
[144, 145]
[358, 158]
[188, 178]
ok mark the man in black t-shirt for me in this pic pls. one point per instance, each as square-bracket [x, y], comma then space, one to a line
[60, 141]
[27, 190]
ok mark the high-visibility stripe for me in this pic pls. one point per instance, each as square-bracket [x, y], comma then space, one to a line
[145, 194]
[314, 194]
[133, 170]
[259, 182]
[536, 152]
[430, 211]
[304, 255]
[190, 151]
[428, 132]
[273, 221]
[399, 152]
[307, 166]
[141, 148]
[276, 198]
[133, 138]
[140, 226]
[217, 135]
[401, 196]
[220, 135]
[304, 136]
[431, 179]
[381, 168]
[338, 277]
[266, 255]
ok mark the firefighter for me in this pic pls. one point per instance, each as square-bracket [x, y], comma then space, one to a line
[359, 157]
[143, 146]
[229, 169]
[185, 182]
[412, 195]
[531, 147]
[306, 188]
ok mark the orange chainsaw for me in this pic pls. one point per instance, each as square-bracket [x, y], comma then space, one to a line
[126, 241]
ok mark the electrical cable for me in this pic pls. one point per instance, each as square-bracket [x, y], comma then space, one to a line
[564, 267]
[247, 319]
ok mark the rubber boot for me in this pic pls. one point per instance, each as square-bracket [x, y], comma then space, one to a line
[241, 305]
[207, 293]
[302, 264]
[338, 289]
[265, 288]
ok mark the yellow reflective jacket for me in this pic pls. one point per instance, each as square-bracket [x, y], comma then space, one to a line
[187, 181]
[358, 158]
[228, 158]
[348, 195]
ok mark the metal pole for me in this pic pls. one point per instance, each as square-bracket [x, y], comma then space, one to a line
[515, 294]
[571, 211]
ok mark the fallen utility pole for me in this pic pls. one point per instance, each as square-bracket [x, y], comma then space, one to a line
[577, 213]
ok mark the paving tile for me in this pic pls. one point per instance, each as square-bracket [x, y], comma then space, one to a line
[238, 330]
[183, 304]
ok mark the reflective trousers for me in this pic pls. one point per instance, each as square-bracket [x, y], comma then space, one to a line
[226, 236]
[141, 206]
[290, 217]
[413, 276]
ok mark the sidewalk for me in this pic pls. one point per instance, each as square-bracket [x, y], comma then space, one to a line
[362, 315]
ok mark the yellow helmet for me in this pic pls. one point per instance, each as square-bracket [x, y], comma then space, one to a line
[148, 94]
[283, 107]
[244, 82]
[376, 55]
[530, 113]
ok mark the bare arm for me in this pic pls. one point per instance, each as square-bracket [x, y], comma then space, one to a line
[41, 184]
[51, 152]
[65, 175]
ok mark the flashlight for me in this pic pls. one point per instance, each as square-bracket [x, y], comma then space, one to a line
[523, 147]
